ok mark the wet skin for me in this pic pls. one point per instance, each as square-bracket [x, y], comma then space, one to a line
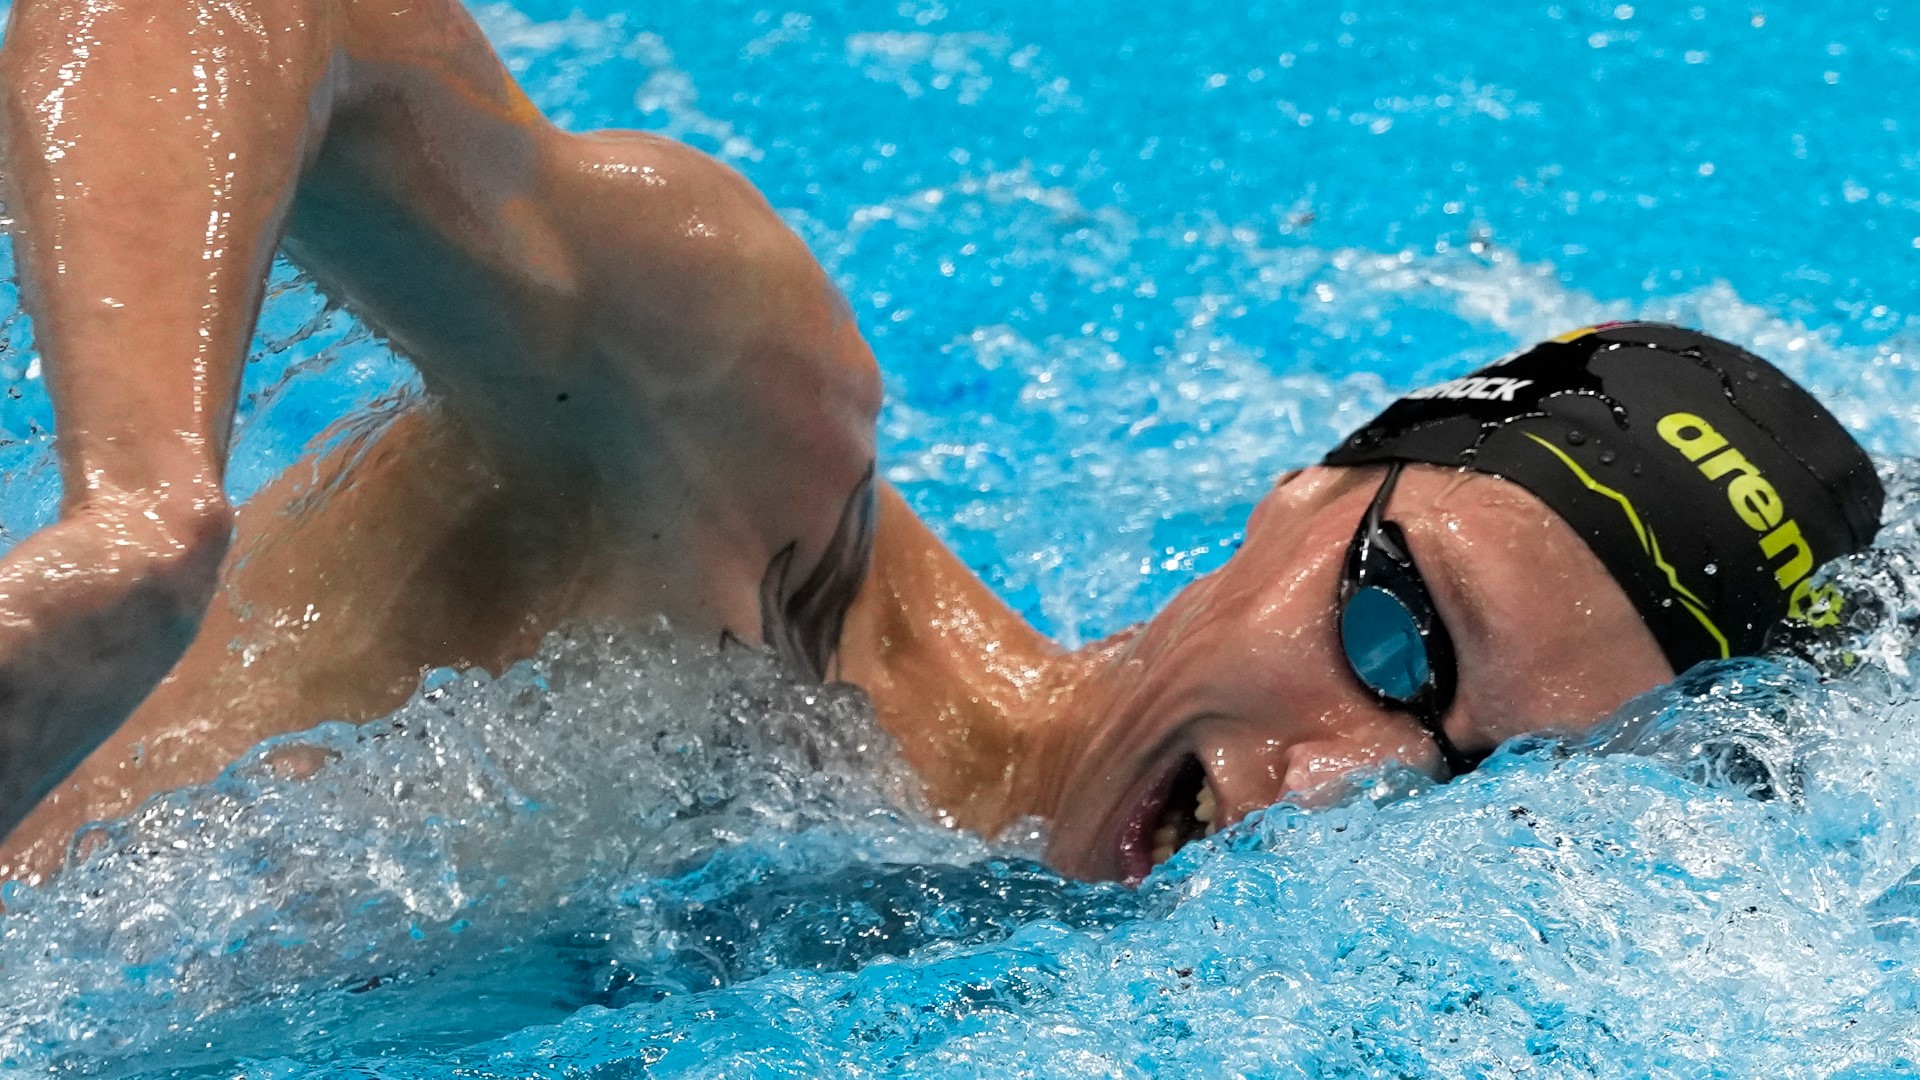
[642, 394]
[1241, 673]
[641, 389]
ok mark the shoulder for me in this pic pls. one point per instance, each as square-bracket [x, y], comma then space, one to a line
[734, 339]
[631, 191]
[683, 249]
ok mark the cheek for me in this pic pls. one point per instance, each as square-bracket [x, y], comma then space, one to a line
[1549, 641]
[1279, 659]
[1615, 669]
[1565, 673]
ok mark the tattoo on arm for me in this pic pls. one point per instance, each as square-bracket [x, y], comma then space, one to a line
[802, 624]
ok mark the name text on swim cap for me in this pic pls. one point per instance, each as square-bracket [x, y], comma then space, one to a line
[1478, 387]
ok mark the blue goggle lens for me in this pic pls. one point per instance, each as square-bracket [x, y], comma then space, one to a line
[1384, 645]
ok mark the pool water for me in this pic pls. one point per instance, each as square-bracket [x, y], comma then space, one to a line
[1122, 265]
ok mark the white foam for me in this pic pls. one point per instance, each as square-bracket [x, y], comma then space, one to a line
[502, 801]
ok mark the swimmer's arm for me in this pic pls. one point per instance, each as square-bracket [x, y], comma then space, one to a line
[150, 149]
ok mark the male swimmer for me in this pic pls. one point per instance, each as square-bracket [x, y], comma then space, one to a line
[644, 398]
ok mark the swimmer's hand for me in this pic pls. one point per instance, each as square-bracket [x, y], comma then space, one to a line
[93, 611]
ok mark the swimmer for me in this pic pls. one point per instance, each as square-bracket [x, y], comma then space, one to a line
[643, 398]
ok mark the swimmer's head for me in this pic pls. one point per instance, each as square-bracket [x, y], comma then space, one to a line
[1710, 484]
[1578, 521]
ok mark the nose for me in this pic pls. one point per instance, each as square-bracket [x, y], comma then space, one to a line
[1257, 762]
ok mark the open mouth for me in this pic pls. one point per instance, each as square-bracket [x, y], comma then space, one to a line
[1177, 811]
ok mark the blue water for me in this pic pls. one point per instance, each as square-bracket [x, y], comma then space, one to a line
[1122, 265]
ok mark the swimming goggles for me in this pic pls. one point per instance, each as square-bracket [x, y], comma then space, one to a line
[1395, 643]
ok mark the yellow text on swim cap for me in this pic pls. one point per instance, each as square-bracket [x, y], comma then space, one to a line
[1758, 504]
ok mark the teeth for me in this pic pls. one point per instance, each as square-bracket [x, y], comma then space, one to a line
[1166, 840]
[1205, 808]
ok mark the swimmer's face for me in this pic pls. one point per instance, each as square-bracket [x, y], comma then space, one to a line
[1238, 695]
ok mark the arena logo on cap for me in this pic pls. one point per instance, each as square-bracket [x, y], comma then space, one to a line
[1758, 504]
[1478, 387]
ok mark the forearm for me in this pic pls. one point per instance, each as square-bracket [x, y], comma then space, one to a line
[150, 150]
[151, 147]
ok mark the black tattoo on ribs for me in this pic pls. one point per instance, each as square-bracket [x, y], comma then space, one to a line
[802, 625]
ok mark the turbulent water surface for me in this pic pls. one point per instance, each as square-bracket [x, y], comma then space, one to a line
[1123, 264]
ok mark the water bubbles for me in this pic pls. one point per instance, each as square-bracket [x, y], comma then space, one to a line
[630, 855]
[512, 808]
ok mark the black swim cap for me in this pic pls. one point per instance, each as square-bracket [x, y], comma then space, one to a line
[1709, 484]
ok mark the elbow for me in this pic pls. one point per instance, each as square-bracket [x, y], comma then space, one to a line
[195, 546]
[169, 544]
[189, 541]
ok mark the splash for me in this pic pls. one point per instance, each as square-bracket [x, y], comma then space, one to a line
[1714, 882]
[478, 820]
[1121, 267]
